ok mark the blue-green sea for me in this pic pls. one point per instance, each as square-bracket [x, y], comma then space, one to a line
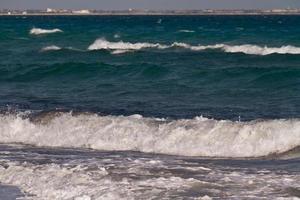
[149, 107]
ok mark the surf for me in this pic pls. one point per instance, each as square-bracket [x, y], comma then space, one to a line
[186, 137]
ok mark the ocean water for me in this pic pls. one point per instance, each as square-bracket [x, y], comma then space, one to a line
[149, 107]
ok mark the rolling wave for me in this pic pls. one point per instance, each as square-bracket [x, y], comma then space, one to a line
[257, 50]
[188, 137]
[38, 31]
[102, 44]
[51, 48]
[107, 45]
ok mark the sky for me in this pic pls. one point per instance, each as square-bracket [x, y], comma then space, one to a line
[148, 4]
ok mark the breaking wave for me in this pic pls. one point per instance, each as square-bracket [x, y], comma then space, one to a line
[51, 48]
[107, 45]
[186, 31]
[257, 50]
[188, 137]
[57, 48]
[38, 31]
[116, 47]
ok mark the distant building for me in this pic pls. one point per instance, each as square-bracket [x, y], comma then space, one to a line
[81, 12]
[278, 10]
[50, 10]
[24, 13]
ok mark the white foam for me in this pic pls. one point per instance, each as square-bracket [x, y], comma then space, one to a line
[198, 47]
[107, 45]
[189, 137]
[186, 31]
[245, 48]
[52, 181]
[51, 48]
[258, 50]
[116, 36]
[119, 51]
[38, 31]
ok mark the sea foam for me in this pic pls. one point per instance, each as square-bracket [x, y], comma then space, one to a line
[188, 137]
[38, 31]
[258, 50]
[51, 48]
[186, 31]
[102, 44]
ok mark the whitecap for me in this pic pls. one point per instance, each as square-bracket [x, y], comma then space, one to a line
[250, 49]
[51, 48]
[186, 31]
[116, 36]
[38, 31]
[119, 51]
[258, 50]
[107, 45]
[245, 48]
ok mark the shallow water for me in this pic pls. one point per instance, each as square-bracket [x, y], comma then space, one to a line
[72, 173]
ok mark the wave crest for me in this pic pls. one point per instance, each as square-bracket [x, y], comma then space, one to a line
[117, 47]
[188, 137]
[258, 50]
[107, 45]
[38, 31]
[186, 31]
[51, 48]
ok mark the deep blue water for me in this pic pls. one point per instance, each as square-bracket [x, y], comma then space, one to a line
[172, 82]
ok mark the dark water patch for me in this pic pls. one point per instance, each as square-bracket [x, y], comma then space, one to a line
[8, 192]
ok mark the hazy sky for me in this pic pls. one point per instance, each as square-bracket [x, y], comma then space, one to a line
[147, 4]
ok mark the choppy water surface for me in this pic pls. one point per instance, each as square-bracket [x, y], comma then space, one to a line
[141, 107]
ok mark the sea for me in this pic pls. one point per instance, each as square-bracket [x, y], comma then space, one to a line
[149, 107]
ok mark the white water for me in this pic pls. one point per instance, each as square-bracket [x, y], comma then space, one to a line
[38, 31]
[258, 50]
[104, 44]
[51, 48]
[69, 182]
[186, 31]
[64, 175]
[188, 137]
[245, 48]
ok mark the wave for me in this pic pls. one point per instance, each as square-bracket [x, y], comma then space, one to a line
[51, 48]
[258, 50]
[187, 137]
[186, 31]
[119, 51]
[246, 49]
[38, 31]
[107, 45]
[102, 44]
[56, 48]
[197, 48]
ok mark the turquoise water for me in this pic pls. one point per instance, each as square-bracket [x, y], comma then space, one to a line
[173, 82]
